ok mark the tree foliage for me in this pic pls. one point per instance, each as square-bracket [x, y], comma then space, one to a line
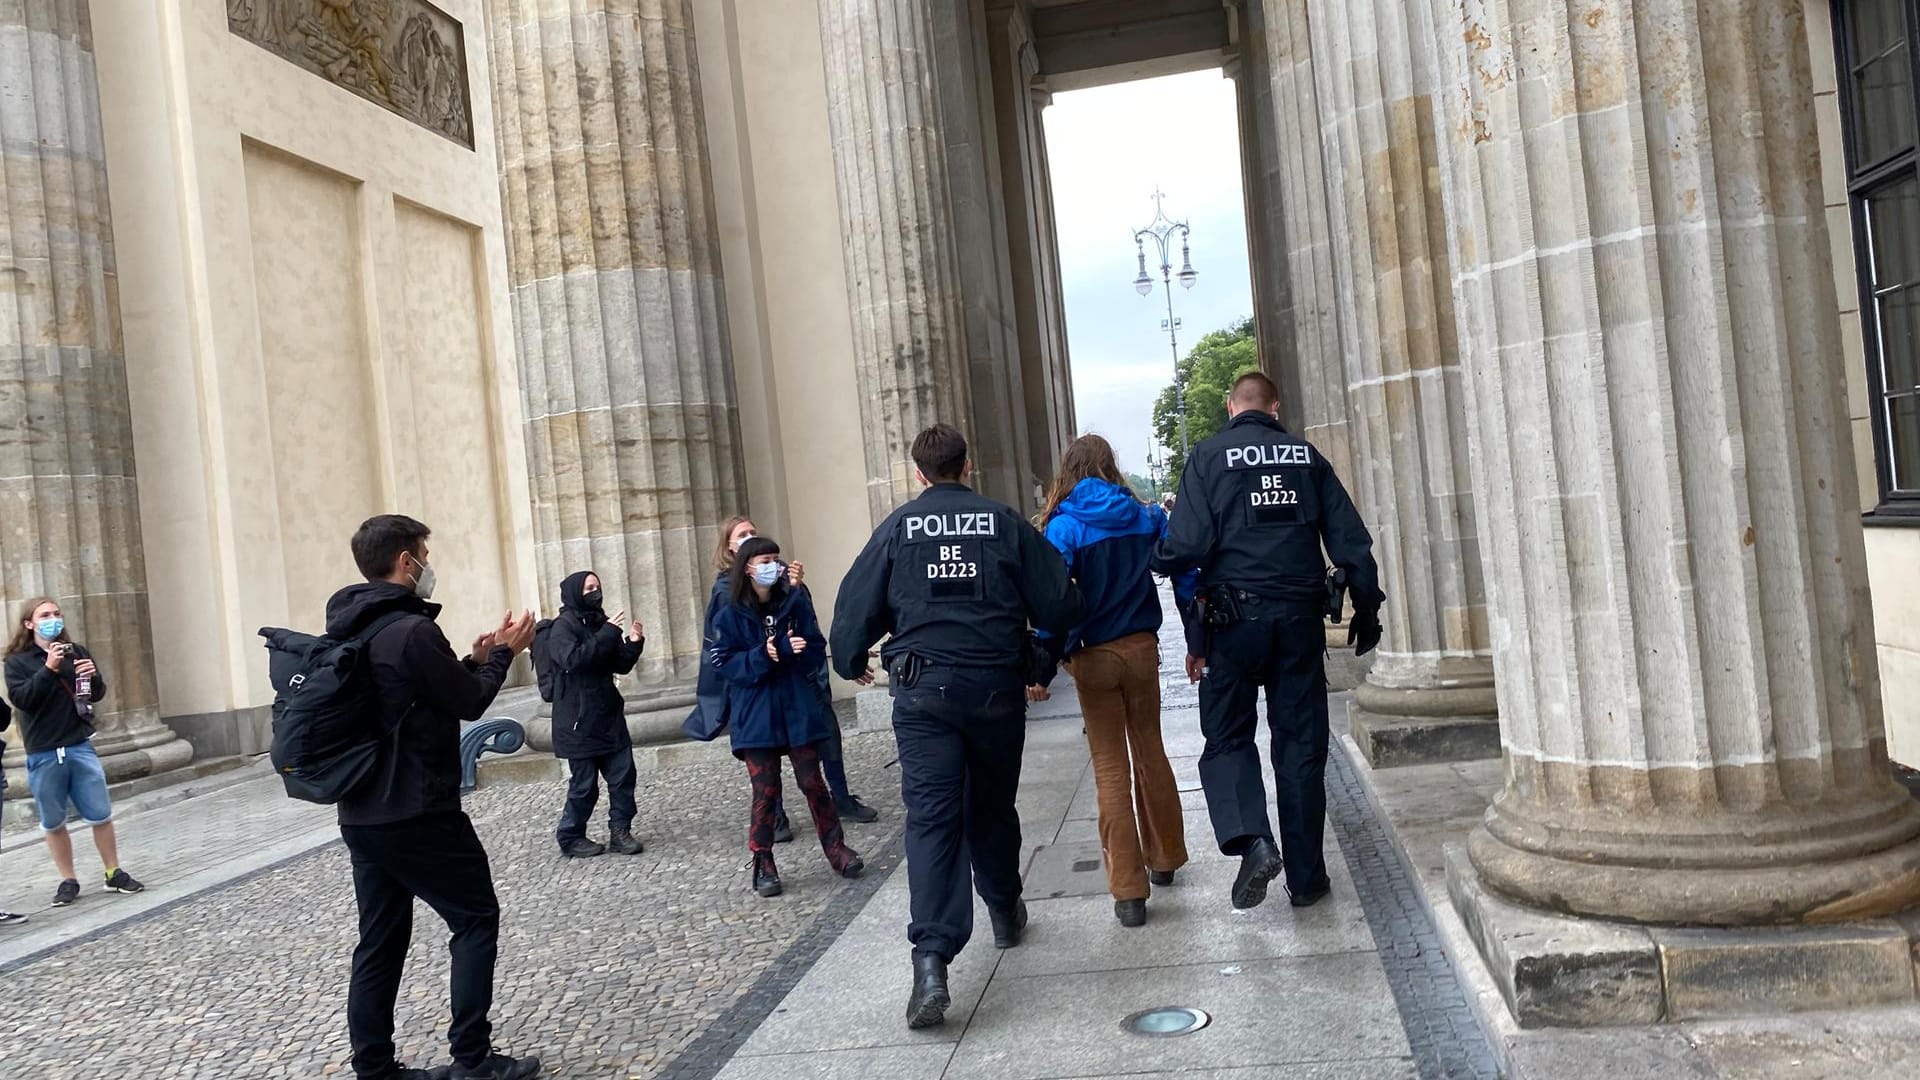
[1208, 372]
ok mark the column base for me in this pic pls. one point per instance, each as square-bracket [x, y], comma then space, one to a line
[1394, 727]
[1560, 971]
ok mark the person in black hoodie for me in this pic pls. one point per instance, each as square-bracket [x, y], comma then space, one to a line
[7, 918]
[586, 650]
[55, 684]
[404, 830]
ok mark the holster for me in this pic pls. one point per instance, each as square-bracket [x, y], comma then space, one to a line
[1336, 594]
[904, 670]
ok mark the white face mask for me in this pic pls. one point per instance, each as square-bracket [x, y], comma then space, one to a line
[423, 582]
[736, 544]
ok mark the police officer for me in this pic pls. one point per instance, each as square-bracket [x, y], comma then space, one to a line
[955, 578]
[1256, 506]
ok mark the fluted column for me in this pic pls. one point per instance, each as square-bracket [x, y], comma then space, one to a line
[633, 436]
[1689, 698]
[1429, 695]
[69, 511]
[896, 222]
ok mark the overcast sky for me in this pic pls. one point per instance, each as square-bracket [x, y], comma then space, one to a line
[1108, 149]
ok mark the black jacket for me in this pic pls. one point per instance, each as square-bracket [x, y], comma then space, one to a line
[586, 652]
[49, 717]
[1254, 508]
[955, 578]
[425, 692]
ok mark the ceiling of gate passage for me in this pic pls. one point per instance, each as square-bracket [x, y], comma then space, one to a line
[1082, 43]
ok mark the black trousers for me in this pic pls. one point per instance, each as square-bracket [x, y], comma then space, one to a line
[583, 791]
[1286, 656]
[960, 737]
[438, 858]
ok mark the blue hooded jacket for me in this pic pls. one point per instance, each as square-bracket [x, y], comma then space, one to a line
[1107, 535]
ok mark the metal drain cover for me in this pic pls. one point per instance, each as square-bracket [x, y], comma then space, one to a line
[1165, 1022]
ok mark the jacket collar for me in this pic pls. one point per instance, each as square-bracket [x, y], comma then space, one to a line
[1256, 416]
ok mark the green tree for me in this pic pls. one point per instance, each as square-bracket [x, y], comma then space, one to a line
[1208, 372]
[1143, 487]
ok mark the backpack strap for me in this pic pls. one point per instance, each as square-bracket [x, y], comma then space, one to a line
[369, 631]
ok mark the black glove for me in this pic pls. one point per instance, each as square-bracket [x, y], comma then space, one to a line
[1363, 633]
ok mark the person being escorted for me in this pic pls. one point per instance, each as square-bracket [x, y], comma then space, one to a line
[584, 651]
[55, 684]
[405, 833]
[956, 579]
[767, 645]
[1257, 504]
[1107, 537]
[7, 918]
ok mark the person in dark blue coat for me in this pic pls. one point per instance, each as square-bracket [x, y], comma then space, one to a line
[766, 642]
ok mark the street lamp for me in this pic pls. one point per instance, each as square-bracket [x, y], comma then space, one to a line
[1161, 231]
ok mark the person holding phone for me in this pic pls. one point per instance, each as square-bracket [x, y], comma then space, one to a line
[55, 684]
[590, 717]
[766, 642]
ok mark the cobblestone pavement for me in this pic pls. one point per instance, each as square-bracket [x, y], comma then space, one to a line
[608, 967]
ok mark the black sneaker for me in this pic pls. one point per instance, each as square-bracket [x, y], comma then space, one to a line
[497, 1067]
[123, 882]
[8, 918]
[582, 848]
[782, 830]
[852, 809]
[67, 893]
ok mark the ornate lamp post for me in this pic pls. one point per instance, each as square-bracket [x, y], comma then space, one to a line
[1161, 231]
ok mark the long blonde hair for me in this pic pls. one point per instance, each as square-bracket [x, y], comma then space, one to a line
[1087, 456]
[723, 554]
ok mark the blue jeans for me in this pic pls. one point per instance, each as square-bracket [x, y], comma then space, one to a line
[70, 776]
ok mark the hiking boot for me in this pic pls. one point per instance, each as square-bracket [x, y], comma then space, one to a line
[623, 842]
[497, 1067]
[847, 862]
[582, 848]
[1008, 925]
[766, 879]
[927, 1005]
[1259, 864]
[1131, 913]
[852, 809]
[782, 830]
[1161, 878]
[67, 893]
[8, 918]
[122, 882]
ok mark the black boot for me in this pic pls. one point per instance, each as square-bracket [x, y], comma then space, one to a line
[1161, 878]
[766, 879]
[1310, 897]
[498, 1067]
[927, 1006]
[1008, 925]
[852, 809]
[782, 829]
[623, 842]
[582, 848]
[1259, 864]
[1130, 912]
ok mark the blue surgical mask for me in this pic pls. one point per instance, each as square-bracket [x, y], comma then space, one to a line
[50, 629]
[767, 574]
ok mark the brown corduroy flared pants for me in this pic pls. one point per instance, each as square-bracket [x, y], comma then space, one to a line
[1141, 827]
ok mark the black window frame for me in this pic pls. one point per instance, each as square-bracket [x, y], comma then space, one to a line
[1895, 506]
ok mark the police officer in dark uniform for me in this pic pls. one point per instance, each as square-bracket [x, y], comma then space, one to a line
[956, 579]
[1256, 504]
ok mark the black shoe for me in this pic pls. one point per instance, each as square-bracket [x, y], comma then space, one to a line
[122, 882]
[8, 918]
[623, 842]
[852, 809]
[1311, 896]
[438, 1072]
[927, 1006]
[1008, 925]
[1259, 864]
[497, 1067]
[67, 893]
[1130, 912]
[1162, 878]
[848, 863]
[782, 830]
[766, 879]
[582, 848]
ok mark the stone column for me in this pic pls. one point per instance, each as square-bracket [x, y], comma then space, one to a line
[1689, 697]
[633, 434]
[69, 511]
[896, 220]
[1429, 695]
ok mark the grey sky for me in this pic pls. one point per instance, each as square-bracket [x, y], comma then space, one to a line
[1108, 149]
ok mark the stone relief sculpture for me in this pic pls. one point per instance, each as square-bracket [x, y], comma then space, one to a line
[406, 55]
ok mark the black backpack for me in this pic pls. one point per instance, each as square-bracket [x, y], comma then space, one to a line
[327, 729]
[542, 665]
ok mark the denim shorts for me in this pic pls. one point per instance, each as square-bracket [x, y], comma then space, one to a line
[70, 776]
